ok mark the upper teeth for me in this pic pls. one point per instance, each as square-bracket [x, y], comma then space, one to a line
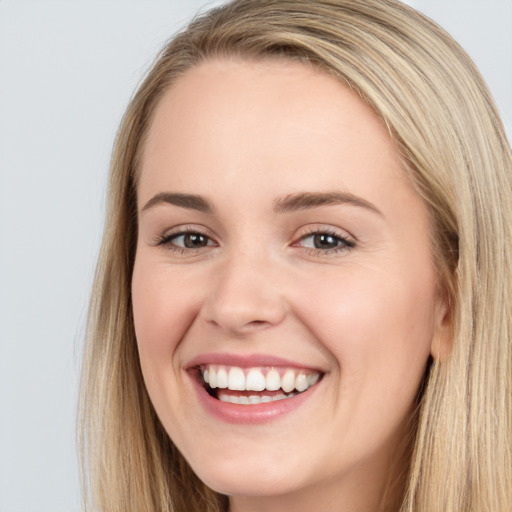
[258, 379]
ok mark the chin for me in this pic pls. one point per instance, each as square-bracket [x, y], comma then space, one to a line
[237, 478]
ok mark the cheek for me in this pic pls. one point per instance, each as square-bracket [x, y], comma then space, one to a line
[378, 326]
[162, 311]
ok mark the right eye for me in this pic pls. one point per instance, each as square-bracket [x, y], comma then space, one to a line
[188, 240]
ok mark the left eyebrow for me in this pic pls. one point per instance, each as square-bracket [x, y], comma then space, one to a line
[308, 200]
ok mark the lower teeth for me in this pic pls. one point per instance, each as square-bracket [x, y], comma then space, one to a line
[253, 399]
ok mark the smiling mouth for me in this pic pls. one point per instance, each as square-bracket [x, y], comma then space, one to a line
[250, 386]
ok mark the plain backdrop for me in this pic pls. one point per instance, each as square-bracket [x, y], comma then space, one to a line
[67, 71]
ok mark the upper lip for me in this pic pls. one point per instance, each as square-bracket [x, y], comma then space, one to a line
[247, 361]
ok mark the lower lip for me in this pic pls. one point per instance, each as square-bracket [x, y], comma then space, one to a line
[253, 413]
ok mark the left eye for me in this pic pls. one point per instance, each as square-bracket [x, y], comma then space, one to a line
[325, 241]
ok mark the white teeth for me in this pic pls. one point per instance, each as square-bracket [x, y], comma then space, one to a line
[258, 379]
[313, 379]
[222, 378]
[236, 380]
[213, 378]
[288, 381]
[255, 381]
[273, 380]
[301, 382]
[252, 399]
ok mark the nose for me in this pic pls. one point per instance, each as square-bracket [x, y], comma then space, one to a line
[245, 295]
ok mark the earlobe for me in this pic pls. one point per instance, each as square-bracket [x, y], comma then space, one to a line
[442, 339]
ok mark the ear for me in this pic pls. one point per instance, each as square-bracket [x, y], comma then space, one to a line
[442, 339]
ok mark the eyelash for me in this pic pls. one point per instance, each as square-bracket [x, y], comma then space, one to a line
[344, 243]
[167, 240]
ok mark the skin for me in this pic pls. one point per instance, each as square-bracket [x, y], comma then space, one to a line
[242, 135]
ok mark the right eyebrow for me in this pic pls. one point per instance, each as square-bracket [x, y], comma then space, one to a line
[190, 201]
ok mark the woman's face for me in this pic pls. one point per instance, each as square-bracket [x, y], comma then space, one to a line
[283, 253]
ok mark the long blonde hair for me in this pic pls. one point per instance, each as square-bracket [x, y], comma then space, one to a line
[444, 122]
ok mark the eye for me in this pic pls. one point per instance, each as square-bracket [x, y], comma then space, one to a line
[325, 241]
[185, 240]
[191, 240]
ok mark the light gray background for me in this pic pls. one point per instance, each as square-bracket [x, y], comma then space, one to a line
[67, 70]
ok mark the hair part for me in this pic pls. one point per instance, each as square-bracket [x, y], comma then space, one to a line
[443, 120]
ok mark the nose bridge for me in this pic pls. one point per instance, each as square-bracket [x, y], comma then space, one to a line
[246, 293]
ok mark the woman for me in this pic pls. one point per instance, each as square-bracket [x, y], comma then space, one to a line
[303, 299]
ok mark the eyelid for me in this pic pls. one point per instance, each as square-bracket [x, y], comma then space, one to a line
[165, 239]
[349, 242]
[313, 229]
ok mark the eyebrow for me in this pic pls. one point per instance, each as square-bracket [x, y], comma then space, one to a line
[308, 200]
[290, 203]
[190, 201]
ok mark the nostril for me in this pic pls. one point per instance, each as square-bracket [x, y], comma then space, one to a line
[255, 324]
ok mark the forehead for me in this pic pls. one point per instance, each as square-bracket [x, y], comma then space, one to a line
[229, 119]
